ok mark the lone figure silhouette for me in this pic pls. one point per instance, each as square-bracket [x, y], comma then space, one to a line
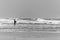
[14, 22]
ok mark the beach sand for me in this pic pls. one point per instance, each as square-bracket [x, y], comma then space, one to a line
[28, 35]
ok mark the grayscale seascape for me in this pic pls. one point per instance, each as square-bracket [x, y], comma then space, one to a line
[25, 32]
[29, 19]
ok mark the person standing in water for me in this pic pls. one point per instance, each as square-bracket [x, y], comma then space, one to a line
[14, 22]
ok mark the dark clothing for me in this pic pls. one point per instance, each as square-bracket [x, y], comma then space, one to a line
[14, 22]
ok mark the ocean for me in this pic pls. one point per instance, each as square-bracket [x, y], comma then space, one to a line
[25, 32]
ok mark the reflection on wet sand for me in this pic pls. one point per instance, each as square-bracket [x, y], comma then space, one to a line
[29, 36]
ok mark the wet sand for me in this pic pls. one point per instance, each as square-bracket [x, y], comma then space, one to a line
[29, 35]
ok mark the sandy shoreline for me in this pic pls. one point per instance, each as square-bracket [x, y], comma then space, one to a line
[13, 34]
[29, 36]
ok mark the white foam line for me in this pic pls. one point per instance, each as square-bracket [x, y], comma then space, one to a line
[30, 31]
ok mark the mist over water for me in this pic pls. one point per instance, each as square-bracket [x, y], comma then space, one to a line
[30, 8]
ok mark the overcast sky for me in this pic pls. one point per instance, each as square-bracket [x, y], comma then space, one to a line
[30, 8]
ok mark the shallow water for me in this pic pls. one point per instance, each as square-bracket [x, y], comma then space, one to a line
[28, 35]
